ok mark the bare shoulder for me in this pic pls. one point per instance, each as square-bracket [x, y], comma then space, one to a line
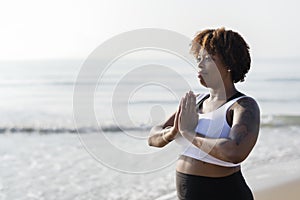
[246, 103]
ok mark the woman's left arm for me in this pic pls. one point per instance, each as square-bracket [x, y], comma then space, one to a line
[242, 137]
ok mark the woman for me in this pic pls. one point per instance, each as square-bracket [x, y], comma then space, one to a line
[217, 130]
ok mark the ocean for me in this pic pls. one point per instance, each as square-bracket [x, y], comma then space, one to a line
[42, 156]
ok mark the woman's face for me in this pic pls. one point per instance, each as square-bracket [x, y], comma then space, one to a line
[211, 70]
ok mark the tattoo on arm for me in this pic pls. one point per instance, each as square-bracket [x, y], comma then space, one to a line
[248, 119]
[241, 133]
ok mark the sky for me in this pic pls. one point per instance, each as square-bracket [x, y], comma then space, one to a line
[72, 29]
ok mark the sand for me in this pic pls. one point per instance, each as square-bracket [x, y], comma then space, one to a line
[286, 191]
[280, 181]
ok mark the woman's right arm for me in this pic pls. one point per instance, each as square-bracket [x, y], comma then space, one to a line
[163, 134]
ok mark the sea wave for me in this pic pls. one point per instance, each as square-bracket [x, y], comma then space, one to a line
[280, 120]
[88, 129]
[270, 121]
[291, 79]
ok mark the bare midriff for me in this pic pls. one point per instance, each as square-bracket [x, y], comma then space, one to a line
[192, 166]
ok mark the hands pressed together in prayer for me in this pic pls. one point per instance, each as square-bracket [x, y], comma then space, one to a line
[186, 117]
[182, 123]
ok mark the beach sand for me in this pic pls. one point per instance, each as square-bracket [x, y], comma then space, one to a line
[286, 191]
[275, 181]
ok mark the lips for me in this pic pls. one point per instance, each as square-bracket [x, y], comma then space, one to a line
[200, 74]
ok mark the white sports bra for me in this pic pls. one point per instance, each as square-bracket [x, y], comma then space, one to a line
[214, 125]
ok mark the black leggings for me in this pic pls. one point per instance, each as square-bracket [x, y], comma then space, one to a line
[193, 187]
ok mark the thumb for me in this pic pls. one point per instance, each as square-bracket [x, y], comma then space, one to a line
[177, 118]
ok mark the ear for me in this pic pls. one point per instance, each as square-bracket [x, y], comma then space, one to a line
[228, 69]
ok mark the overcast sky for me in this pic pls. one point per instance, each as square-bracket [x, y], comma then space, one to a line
[66, 29]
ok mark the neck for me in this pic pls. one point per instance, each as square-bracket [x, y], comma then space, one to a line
[222, 93]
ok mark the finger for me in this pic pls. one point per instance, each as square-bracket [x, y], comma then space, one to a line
[192, 93]
[192, 102]
[188, 102]
[183, 104]
[176, 119]
[179, 117]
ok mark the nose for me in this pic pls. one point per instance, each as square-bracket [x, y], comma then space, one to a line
[200, 64]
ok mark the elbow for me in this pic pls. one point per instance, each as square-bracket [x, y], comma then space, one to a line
[152, 143]
[152, 139]
[235, 157]
[236, 160]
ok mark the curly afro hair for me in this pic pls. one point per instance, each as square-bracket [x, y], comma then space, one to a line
[227, 44]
